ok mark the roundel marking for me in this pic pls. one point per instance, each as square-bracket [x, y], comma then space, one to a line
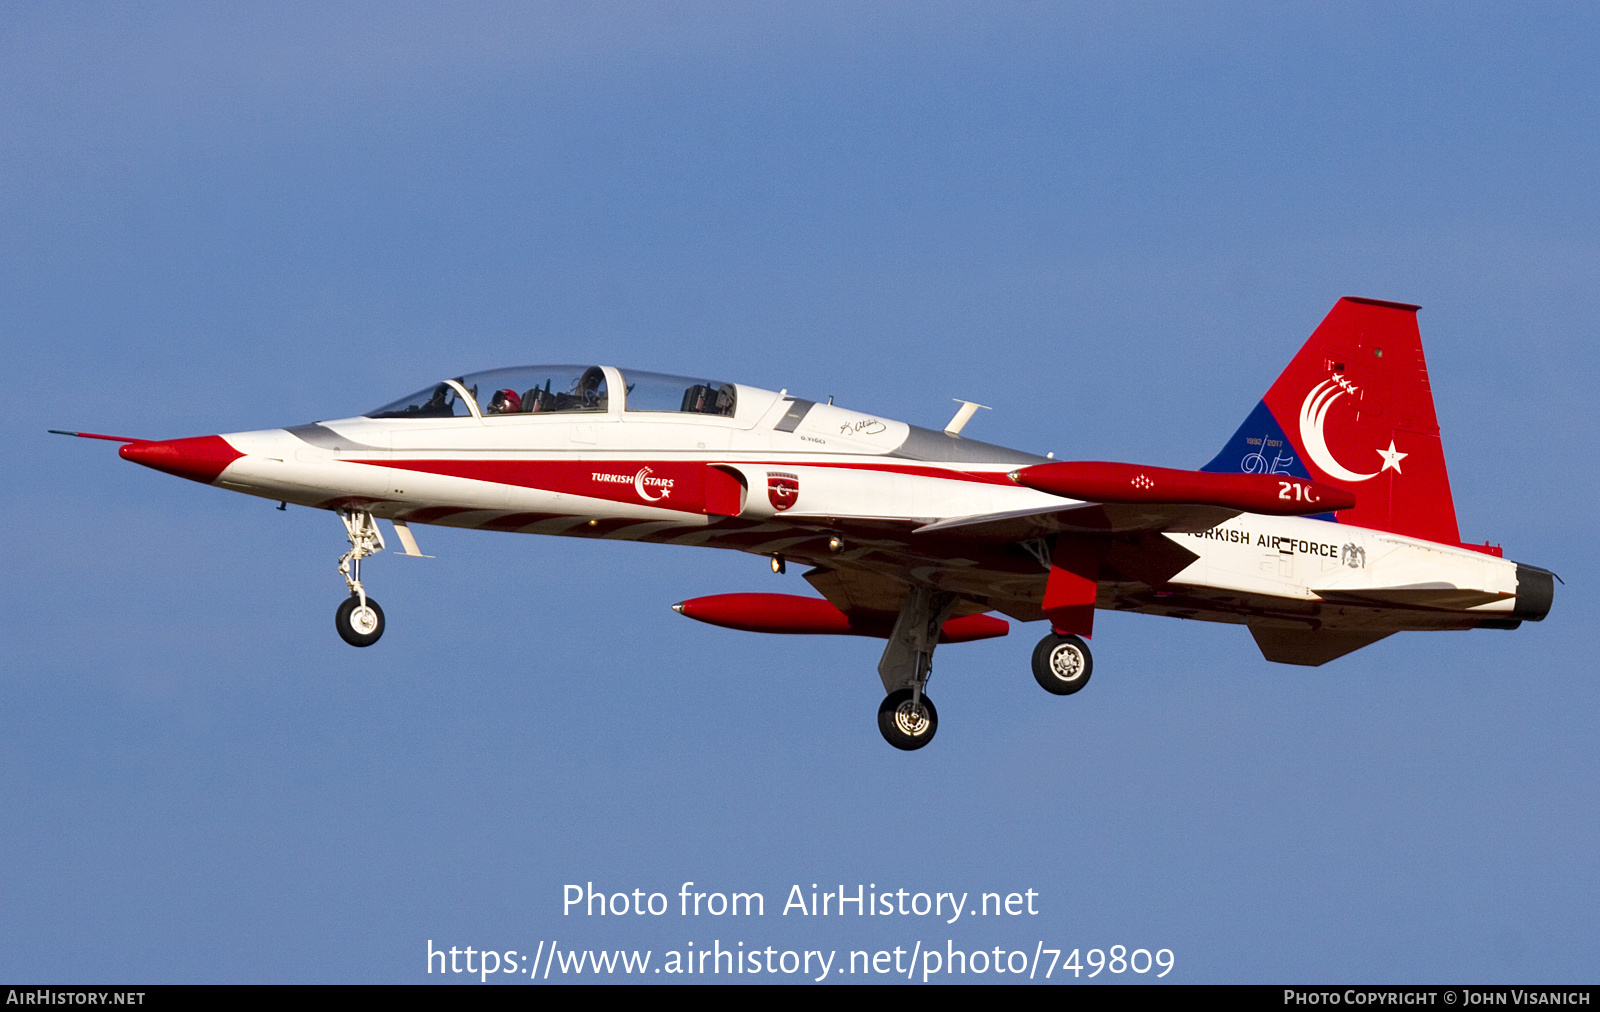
[1313, 414]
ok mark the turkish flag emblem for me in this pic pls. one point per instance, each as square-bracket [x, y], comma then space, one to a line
[783, 489]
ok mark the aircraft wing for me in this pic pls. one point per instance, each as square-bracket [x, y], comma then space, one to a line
[1084, 518]
[867, 595]
[991, 571]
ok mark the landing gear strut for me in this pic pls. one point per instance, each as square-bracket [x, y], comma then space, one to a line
[1062, 663]
[907, 718]
[359, 619]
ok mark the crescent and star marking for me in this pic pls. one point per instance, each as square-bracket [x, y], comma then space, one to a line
[1314, 414]
[638, 485]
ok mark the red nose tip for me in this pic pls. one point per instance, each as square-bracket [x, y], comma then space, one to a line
[199, 458]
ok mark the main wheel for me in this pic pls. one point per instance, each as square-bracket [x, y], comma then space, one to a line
[358, 626]
[1062, 664]
[905, 726]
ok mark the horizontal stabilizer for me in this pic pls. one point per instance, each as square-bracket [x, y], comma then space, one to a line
[1435, 595]
[1309, 647]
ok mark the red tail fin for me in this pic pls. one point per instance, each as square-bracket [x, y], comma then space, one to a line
[1356, 406]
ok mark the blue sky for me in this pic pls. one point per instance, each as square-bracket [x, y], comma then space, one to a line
[1113, 224]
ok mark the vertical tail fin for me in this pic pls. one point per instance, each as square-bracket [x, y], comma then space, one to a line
[1354, 409]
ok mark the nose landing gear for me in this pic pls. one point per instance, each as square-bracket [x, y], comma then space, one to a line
[359, 622]
[359, 619]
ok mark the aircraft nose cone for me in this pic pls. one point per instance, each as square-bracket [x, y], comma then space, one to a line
[198, 458]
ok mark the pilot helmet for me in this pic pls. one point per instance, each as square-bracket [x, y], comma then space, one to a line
[505, 402]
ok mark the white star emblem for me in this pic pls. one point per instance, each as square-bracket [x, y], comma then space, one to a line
[1391, 458]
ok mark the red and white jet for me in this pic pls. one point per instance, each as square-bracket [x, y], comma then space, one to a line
[1324, 525]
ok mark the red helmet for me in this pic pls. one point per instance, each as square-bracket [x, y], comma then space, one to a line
[505, 402]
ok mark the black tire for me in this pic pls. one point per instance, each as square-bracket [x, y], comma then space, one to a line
[904, 728]
[1062, 664]
[357, 630]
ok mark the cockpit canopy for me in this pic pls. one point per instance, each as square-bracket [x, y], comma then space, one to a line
[653, 391]
[546, 389]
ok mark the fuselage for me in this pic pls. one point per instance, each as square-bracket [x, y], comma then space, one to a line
[631, 456]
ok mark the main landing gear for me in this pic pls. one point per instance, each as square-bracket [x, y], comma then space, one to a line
[907, 718]
[359, 619]
[1062, 663]
[907, 723]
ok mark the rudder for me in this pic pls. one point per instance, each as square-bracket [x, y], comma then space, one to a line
[1354, 409]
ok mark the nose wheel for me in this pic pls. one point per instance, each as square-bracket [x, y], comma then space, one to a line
[907, 723]
[359, 622]
[359, 619]
[1062, 664]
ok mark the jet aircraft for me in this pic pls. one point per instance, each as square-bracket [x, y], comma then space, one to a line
[1325, 523]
